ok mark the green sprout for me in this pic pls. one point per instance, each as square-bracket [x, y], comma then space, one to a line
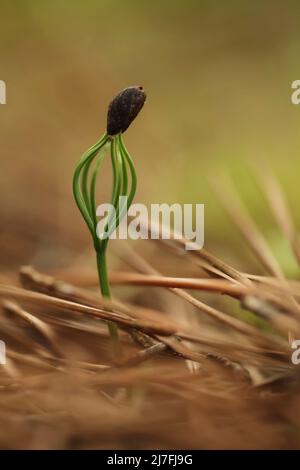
[122, 110]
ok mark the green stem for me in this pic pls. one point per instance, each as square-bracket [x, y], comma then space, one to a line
[102, 272]
[105, 290]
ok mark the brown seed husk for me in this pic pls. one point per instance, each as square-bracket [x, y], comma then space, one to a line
[124, 108]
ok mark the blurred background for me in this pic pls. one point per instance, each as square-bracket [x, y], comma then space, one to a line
[218, 78]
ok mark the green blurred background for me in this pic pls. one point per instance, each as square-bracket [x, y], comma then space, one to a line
[218, 77]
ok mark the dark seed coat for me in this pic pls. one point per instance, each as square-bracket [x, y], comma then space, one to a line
[124, 108]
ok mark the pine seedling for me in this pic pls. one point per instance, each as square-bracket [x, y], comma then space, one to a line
[122, 110]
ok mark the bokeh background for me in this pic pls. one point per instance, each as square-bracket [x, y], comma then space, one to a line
[218, 77]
